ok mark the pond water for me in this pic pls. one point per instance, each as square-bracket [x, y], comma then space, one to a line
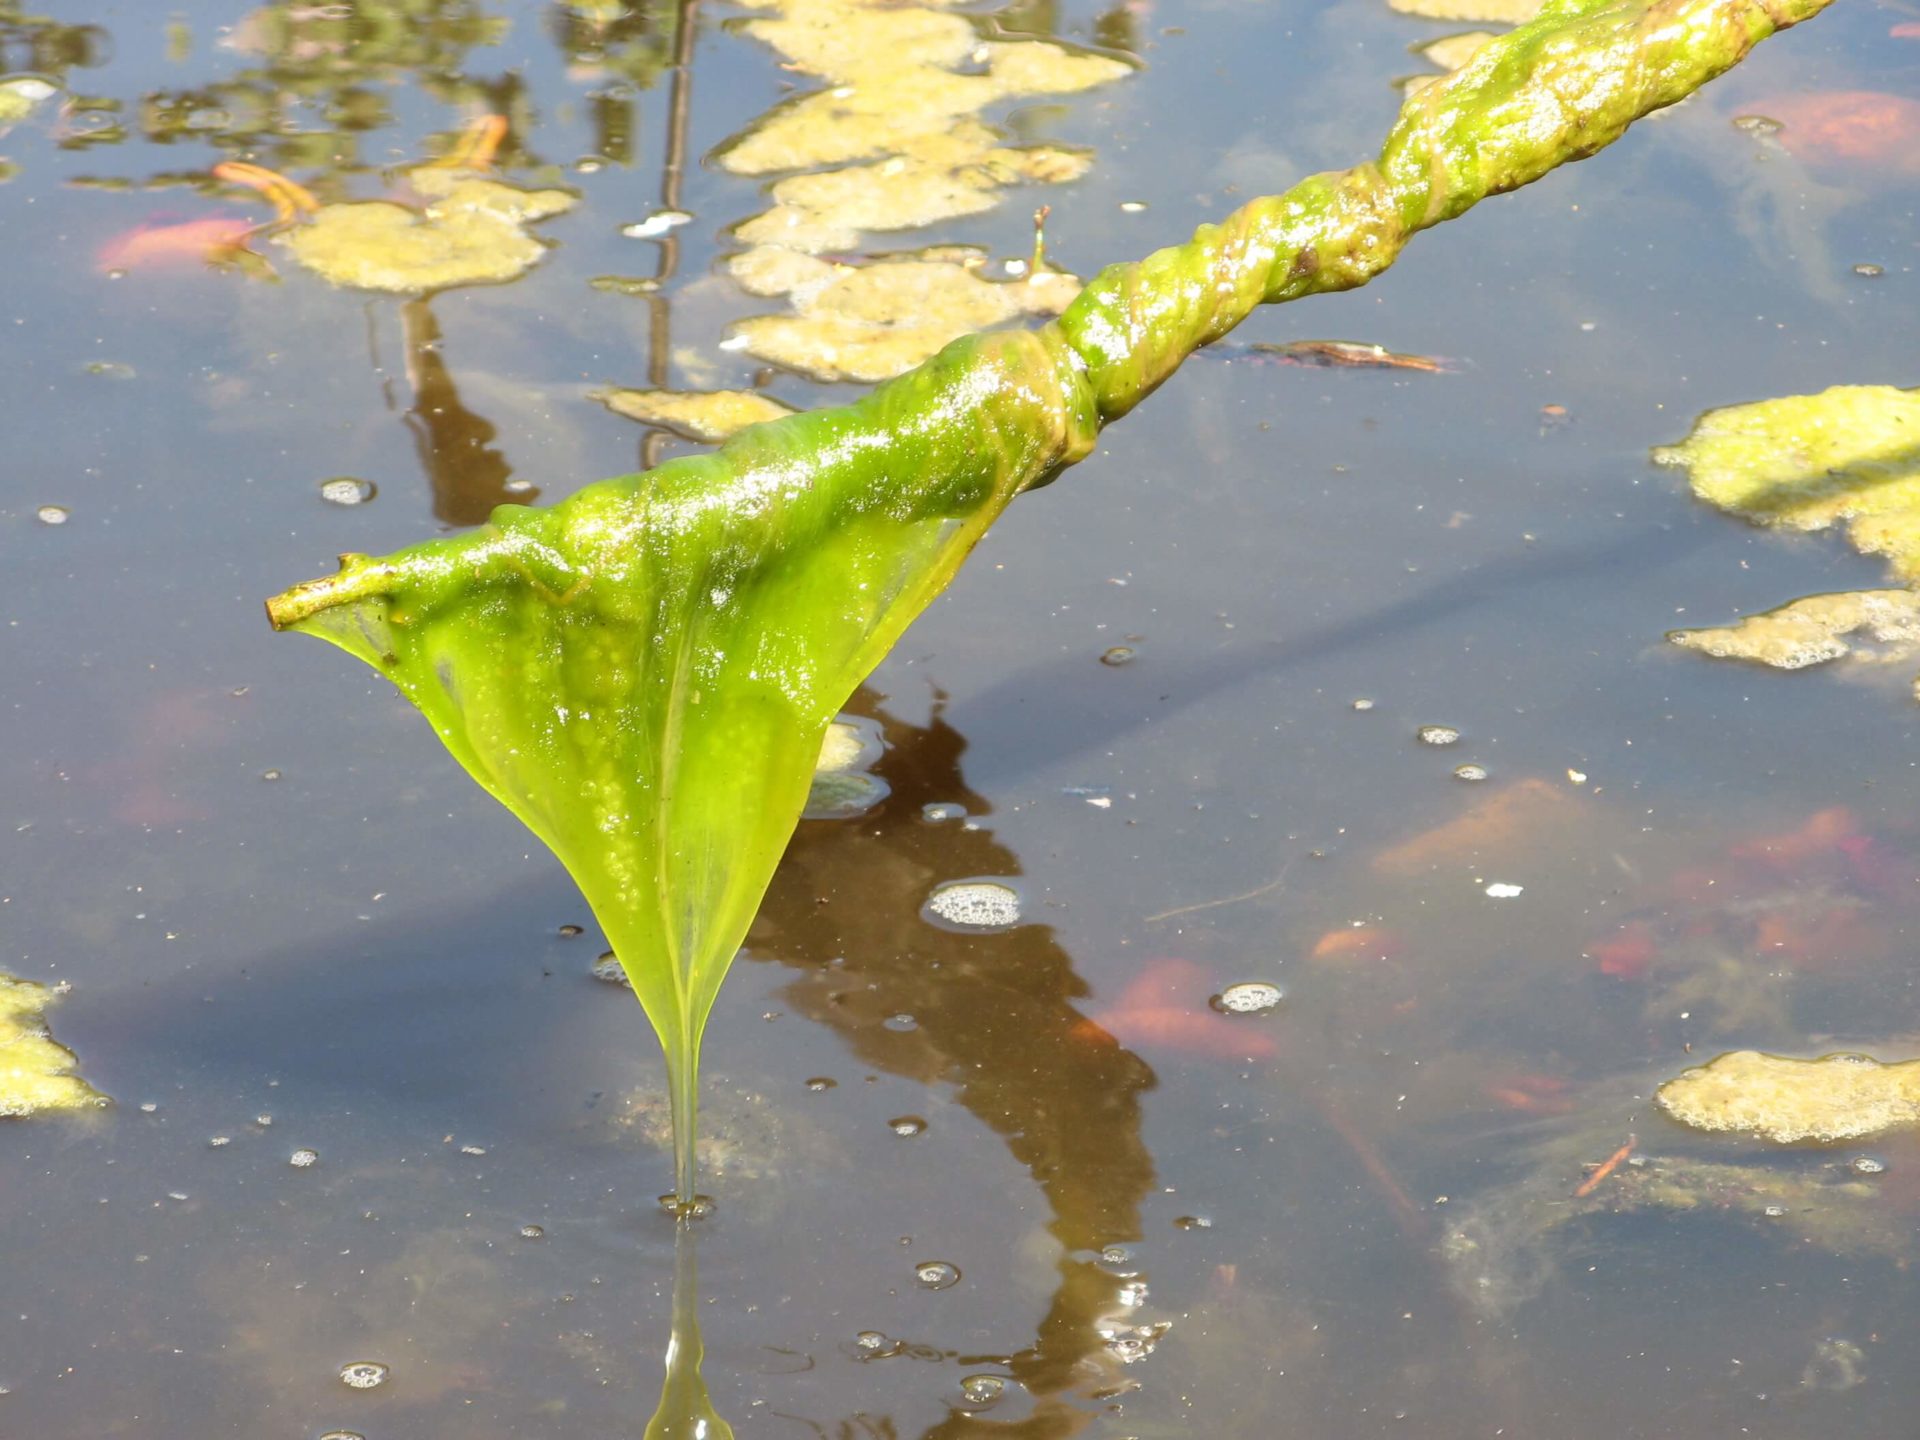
[372, 1107]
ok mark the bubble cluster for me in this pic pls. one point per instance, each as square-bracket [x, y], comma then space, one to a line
[1469, 772]
[363, 1374]
[907, 1126]
[53, 514]
[346, 490]
[609, 969]
[1437, 735]
[1249, 997]
[303, 1158]
[976, 905]
[533, 1232]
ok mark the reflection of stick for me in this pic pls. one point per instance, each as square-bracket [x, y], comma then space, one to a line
[1606, 1168]
[672, 167]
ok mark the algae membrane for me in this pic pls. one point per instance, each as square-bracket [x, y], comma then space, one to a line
[645, 673]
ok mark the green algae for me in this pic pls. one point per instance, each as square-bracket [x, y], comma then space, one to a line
[1849, 455]
[36, 1071]
[1836, 1097]
[644, 674]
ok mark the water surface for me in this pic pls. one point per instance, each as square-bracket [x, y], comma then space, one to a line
[288, 922]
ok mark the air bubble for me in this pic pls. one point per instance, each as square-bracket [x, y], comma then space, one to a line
[1469, 772]
[270, 775]
[1437, 735]
[821, 1082]
[876, 1345]
[901, 1024]
[609, 969]
[936, 1274]
[219, 1140]
[1248, 997]
[907, 1125]
[974, 905]
[364, 1374]
[533, 1232]
[698, 1208]
[342, 1435]
[939, 812]
[347, 490]
[1118, 655]
[980, 1391]
[1130, 1344]
[568, 932]
[304, 1158]
[1869, 271]
[1192, 1222]
[1363, 704]
[53, 514]
[1868, 1165]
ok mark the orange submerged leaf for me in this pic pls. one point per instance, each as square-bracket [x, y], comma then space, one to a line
[1862, 127]
[186, 242]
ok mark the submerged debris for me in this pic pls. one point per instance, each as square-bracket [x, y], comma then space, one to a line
[1504, 826]
[1346, 354]
[1506, 1246]
[36, 1072]
[1836, 1097]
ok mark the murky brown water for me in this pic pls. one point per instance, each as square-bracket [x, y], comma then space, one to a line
[290, 924]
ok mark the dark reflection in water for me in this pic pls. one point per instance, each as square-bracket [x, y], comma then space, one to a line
[996, 1021]
[469, 477]
[48, 47]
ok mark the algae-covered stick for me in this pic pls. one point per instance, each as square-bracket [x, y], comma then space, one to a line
[644, 672]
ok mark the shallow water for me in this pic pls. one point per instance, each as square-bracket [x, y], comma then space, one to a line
[289, 922]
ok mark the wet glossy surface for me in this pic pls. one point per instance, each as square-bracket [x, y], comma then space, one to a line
[290, 923]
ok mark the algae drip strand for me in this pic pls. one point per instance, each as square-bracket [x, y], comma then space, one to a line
[644, 672]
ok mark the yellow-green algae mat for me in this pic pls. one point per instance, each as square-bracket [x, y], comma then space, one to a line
[36, 1071]
[644, 674]
[1847, 456]
[1835, 1097]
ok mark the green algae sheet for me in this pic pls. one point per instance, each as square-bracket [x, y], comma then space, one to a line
[645, 672]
